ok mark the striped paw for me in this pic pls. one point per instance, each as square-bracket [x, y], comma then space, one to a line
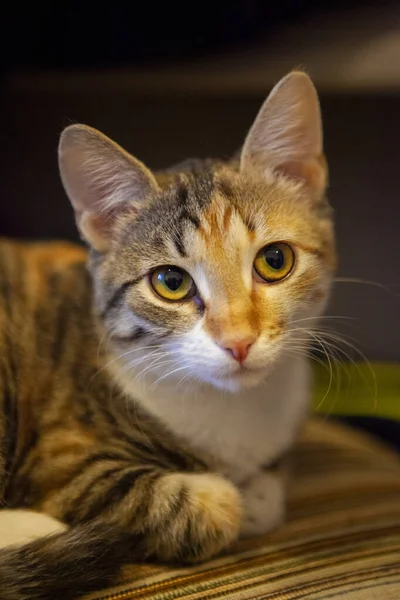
[193, 516]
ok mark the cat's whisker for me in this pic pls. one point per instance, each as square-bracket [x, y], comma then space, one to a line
[119, 357]
[306, 353]
[324, 332]
[296, 353]
[156, 348]
[330, 331]
[330, 372]
[133, 364]
[374, 389]
[156, 363]
[183, 379]
[130, 366]
[329, 340]
[317, 319]
[338, 380]
[301, 345]
[376, 284]
[168, 374]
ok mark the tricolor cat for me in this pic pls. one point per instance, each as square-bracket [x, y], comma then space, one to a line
[152, 387]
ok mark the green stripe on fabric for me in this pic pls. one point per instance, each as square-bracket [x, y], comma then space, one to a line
[358, 390]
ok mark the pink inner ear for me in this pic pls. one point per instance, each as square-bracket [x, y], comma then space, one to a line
[97, 228]
[311, 171]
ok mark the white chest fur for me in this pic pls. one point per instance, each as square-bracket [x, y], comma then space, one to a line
[240, 432]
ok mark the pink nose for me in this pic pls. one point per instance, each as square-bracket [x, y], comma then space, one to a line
[239, 349]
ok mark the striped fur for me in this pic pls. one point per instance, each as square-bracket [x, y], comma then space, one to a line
[82, 438]
[71, 449]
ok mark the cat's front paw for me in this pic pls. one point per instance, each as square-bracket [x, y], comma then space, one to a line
[198, 514]
[263, 504]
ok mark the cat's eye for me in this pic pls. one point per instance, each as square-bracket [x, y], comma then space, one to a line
[172, 283]
[274, 262]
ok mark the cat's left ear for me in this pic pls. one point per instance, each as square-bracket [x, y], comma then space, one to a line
[102, 182]
[287, 134]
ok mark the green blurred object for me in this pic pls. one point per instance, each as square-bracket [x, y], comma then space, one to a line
[358, 389]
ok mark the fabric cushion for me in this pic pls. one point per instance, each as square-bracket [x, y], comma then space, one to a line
[341, 538]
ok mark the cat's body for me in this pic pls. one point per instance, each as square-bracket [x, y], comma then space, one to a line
[150, 422]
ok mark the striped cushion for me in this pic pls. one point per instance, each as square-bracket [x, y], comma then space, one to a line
[341, 538]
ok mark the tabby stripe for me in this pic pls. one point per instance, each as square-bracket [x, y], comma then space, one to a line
[107, 457]
[179, 245]
[10, 434]
[191, 546]
[103, 456]
[117, 492]
[5, 294]
[176, 506]
[137, 448]
[175, 458]
[187, 216]
[182, 194]
[62, 315]
[71, 516]
[11, 424]
[26, 450]
[118, 296]
[8, 288]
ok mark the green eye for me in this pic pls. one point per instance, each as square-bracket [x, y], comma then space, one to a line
[172, 283]
[274, 262]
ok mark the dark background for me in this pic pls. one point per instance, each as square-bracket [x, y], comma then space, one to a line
[85, 34]
[186, 79]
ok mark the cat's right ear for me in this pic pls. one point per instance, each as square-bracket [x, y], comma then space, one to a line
[287, 135]
[102, 182]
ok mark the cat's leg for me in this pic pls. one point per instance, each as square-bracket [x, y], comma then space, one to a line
[177, 515]
[264, 502]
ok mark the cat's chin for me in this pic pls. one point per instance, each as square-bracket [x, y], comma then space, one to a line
[238, 381]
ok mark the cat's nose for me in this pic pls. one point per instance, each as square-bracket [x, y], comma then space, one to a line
[239, 349]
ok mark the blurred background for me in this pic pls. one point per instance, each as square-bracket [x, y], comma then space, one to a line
[175, 79]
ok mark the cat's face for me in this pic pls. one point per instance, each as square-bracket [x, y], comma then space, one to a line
[217, 283]
[211, 274]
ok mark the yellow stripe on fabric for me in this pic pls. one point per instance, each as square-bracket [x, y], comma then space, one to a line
[285, 562]
[279, 584]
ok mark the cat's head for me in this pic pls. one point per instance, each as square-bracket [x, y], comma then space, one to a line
[204, 273]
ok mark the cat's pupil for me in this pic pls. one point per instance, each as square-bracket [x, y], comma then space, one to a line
[274, 257]
[172, 279]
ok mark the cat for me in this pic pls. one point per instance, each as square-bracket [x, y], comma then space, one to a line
[152, 388]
